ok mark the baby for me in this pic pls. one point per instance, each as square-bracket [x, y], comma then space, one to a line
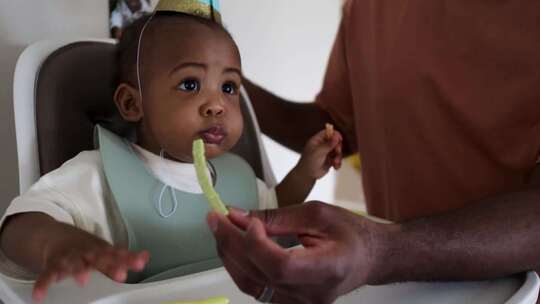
[135, 211]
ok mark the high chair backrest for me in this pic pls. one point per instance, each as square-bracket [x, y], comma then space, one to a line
[63, 88]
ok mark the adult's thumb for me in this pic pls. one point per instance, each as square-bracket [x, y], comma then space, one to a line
[293, 220]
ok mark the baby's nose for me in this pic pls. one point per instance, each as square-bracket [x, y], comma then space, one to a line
[213, 110]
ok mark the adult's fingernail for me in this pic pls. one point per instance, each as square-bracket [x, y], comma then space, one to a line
[38, 296]
[250, 226]
[120, 275]
[240, 211]
[139, 264]
[212, 222]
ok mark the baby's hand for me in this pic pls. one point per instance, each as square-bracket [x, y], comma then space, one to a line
[322, 151]
[80, 258]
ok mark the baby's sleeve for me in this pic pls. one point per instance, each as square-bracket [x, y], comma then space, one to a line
[43, 200]
[267, 196]
[39, 199]
[71, 194]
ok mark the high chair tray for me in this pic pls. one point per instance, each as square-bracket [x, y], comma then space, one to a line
[522, 288]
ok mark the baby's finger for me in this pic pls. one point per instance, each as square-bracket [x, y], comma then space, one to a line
[43, 282]
[82, 277]
[337, 156]
[338, 164]
[132, 260]
[77, 266]
[67, 266]
[318, 139]
[106, 263]
[138, 260]
[115, 263]
[339, 149]
[327, 147]
[336, 139]
[334, 145]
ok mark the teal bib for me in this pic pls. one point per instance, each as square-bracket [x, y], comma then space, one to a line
[182, 243]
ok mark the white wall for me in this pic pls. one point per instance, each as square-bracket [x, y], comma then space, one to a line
[21, 23]
[285, 46]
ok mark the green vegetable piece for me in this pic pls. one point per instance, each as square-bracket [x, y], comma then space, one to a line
[200, 167]
[370, 217]
[361, 213]
[218, 300]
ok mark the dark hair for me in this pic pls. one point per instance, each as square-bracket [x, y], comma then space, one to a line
[128, 44]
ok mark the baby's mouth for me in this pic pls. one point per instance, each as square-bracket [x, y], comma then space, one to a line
[214, 135]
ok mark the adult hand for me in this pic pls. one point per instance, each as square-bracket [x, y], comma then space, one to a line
[339, 252]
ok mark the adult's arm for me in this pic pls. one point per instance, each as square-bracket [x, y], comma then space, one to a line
[289, 123]
[342, 251]
[293, 123]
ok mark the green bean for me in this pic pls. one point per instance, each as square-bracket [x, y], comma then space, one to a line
[200, 167]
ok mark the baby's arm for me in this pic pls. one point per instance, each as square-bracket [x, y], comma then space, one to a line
[322, 151]
[56, 250]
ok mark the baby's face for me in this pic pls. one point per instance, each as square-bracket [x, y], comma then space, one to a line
[191, 79]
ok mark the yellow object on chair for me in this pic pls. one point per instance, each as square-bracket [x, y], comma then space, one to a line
[355, 161]
[218, 300]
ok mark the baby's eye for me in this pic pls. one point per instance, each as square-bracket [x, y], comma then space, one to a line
[229, 88]
[189, 85]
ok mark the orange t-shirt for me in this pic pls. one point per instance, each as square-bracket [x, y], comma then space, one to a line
[440, 98]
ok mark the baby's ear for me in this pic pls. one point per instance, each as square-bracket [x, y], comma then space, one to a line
[128, 102]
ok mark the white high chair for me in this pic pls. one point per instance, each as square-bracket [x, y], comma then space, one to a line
[62, 88]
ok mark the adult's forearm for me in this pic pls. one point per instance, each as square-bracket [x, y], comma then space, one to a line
[289, 123]
[493, 238]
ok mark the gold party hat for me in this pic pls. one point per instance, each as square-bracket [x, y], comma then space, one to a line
[208, 9]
